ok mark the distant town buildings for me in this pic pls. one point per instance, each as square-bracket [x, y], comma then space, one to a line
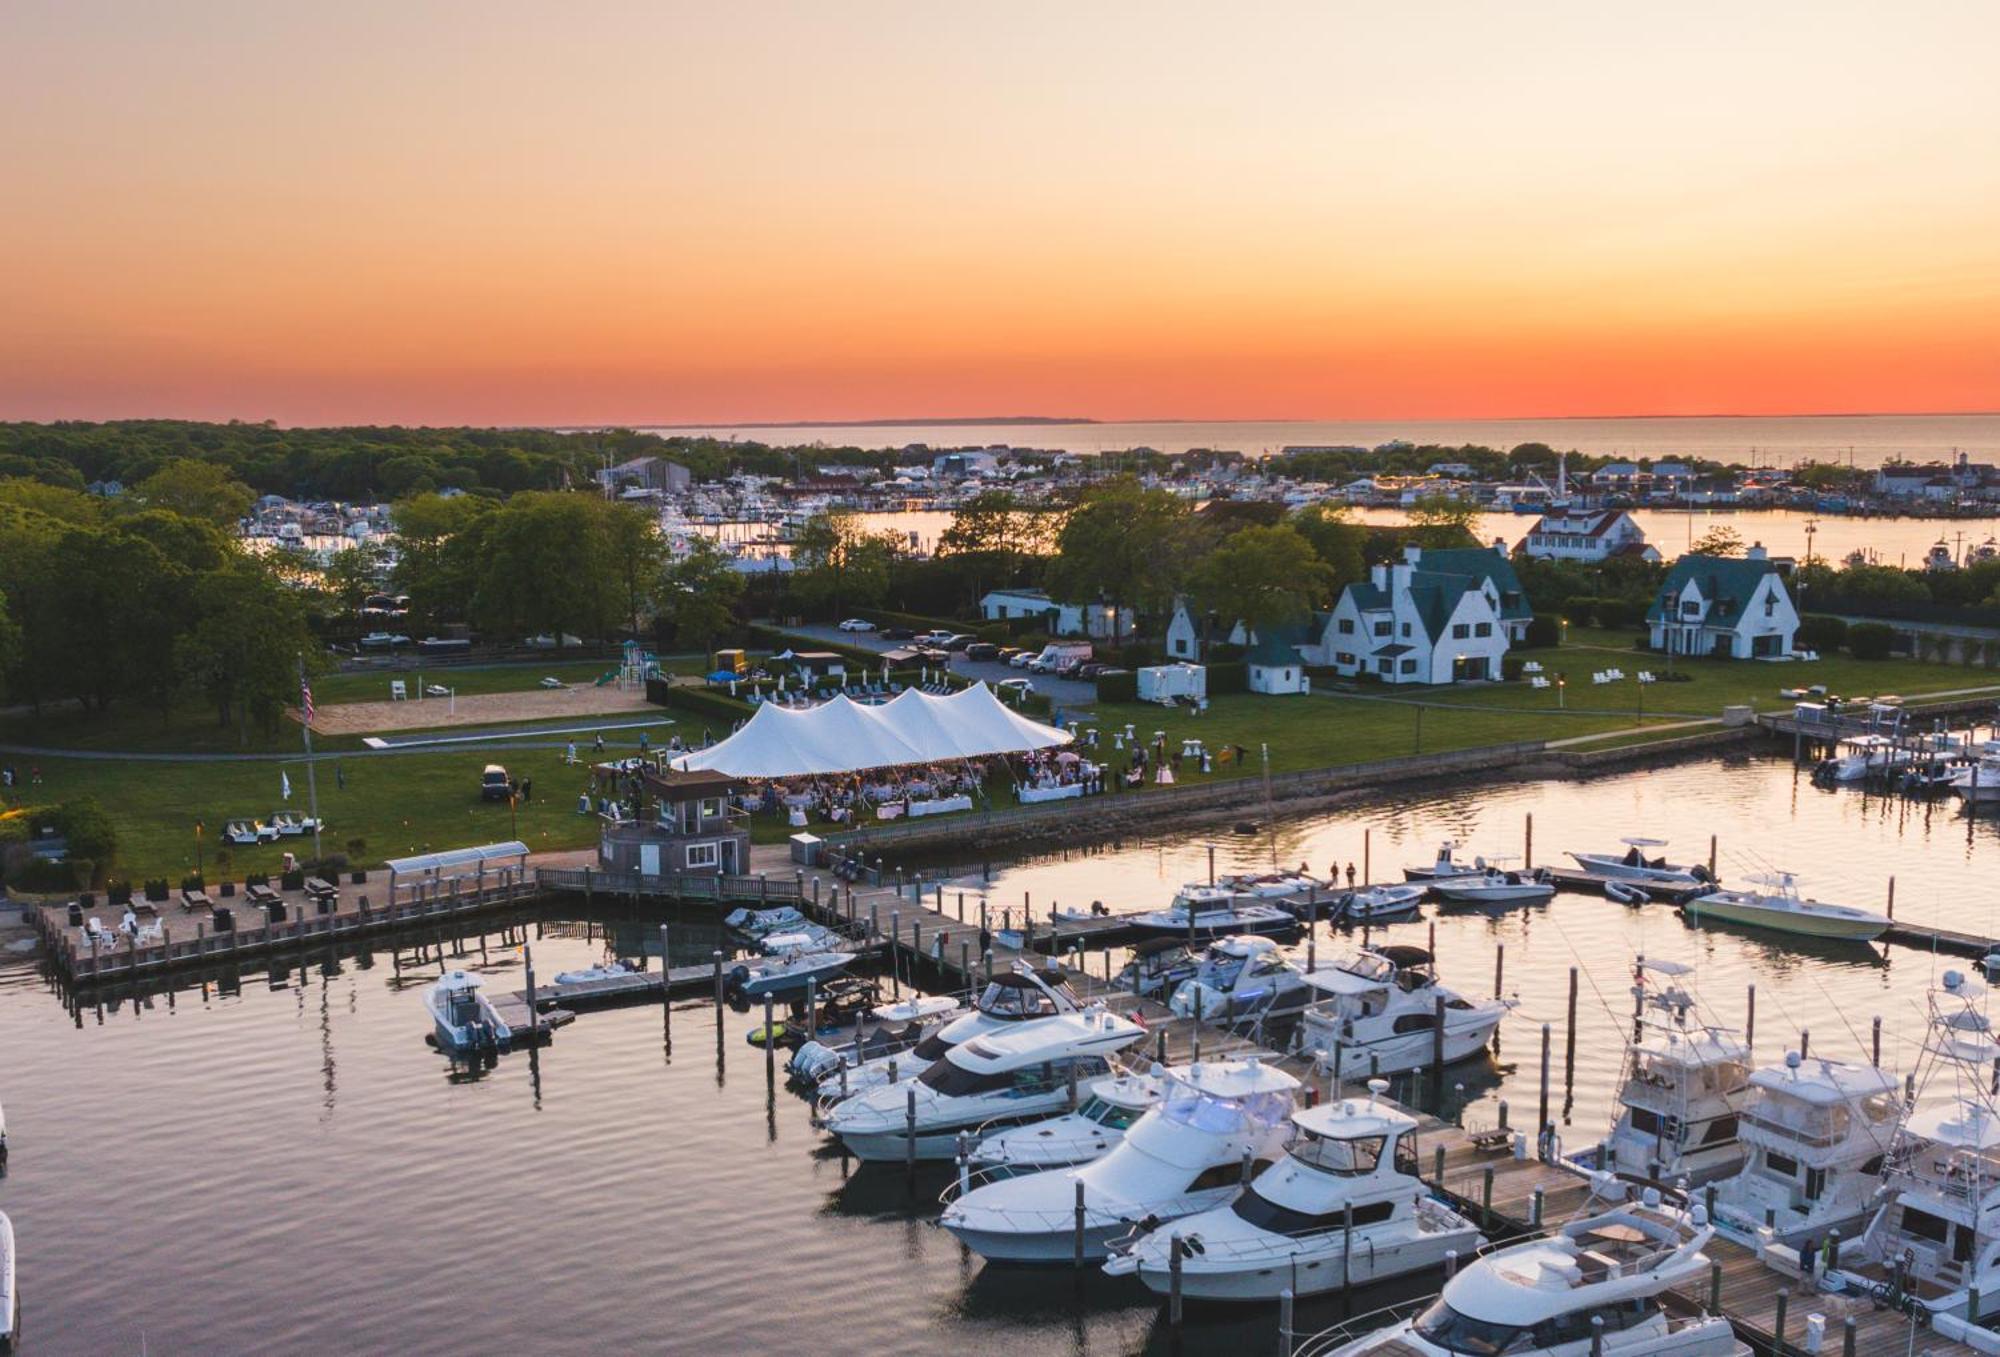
[1100, 621]
[647, 476]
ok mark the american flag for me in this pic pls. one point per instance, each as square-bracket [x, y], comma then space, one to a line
[306, 700]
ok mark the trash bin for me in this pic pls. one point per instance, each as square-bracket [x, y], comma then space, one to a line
[224, 919]
[274, 911]
[75, 914]
[326, 901]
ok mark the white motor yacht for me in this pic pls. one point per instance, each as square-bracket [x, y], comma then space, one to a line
[1377, 1014]
[1270, 885]
[1683, 1092]
[1342, 1208]
[1496, 888]
[1634, 865]
[1157, 968]
[463, 1016]
[1542, 1298]
[1111, 1105]
[1216, 1124]
[1935, 1240]
[1200, 913]
[1379, 902]
[810, 938]
[1780, 907]
[1018, 996]
[1814, 1134]
[1004, 1078]
[1242, 977]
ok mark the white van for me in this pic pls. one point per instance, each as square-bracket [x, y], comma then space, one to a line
[1059, 653]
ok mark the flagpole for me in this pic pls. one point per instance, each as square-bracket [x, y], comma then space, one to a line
[312, 782]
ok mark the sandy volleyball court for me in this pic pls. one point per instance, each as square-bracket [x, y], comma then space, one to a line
[483, 709]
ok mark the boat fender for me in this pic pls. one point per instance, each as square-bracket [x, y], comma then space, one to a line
[1700, 872]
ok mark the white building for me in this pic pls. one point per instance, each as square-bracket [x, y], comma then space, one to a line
[1099, 621]
[1734, 609]
[1593, 537]
[1183, 633]
[1433, 617]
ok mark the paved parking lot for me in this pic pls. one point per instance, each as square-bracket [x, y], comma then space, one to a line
[1065, 692]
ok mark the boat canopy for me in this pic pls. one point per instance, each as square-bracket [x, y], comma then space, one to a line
[459, 857]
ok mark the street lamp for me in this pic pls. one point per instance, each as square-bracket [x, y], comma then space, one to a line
[1562, 683]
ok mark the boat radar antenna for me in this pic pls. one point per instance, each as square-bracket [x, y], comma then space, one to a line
[1376, 1088]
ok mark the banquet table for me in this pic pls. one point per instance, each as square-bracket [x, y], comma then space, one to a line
[1030, 795]
[941, 805]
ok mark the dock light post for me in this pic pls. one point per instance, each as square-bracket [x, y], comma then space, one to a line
[1562, 684]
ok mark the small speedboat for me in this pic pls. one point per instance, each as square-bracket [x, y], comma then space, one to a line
[811, 938]
[609, 970]
[1445, 865]
[1495, 887]
[10, 1299]
[1157, 968]
[1380, 902]
[1626, 892]
[786, 974]
[1781, 908]
[1110, 1108]
[755, 923]
[1244, 976]
[463, 1016]
[1204, 912]
[1634, 865]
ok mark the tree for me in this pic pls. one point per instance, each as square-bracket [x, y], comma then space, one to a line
[546, 563]
[1126, 544]
[1720, 540]
[199, 490]
[837, 563]
[993, 533]
[1441, 522]
[113, 622]
[244, 646]
[1264, 577]
[352, 574]
[636, 553]
[10, 644]
[435, 563]
[1335, 540]
[698, 596]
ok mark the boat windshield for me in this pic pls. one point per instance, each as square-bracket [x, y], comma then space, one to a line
[1186, 1105]
[1113, 1115]
[1445, 1327]
[1369, 966]
[1015, 1001]
[1347, 1158]
[1219, 970]
[932, 1047]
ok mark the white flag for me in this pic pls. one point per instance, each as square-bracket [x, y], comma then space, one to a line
[285, 784]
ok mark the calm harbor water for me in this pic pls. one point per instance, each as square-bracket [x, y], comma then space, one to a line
[1779, 440]
[290, 1168]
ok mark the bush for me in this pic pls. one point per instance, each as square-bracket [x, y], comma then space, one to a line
[708, 703]
[1615, 613]
[1510, 667]
[1822, 633]
[87, 828]
[1870, 640]
[43, 876]
[1228, 678]
[1544, 632]
[293, 880]
[1118, 687]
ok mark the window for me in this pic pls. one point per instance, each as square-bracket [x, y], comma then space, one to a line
[1645, 1122]
[1381, 628]
[711, 806]
[1770, 606]
[1406, 629]
[1441, 1326]
[955, 1081]
[704, 855]
[1268, 1215]
[1815, 1184]
[1783, 1165]
[1416, 1022]
[1409, 666]
[1346, 626]
[1482, 629]
[1348, 1158]
[1720, 1131]
[1385, 666]
[1460, 630]
[1343, 657]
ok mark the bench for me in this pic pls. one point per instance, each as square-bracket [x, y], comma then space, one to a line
[193, 898]
[1491, 1139]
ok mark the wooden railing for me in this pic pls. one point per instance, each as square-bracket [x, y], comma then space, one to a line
[684, 886]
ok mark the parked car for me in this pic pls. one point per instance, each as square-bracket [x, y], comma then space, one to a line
[982, 650]
[959, 640]
[494, 785]
[935, 637]
[857, 624]
[1007, 654]
[1014, 687]
[383, 640]
[1023, 659]
[548, 642]
[1089, 670]
[896, 633]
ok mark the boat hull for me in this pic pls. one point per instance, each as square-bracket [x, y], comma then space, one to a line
[1041, 1247]
[1704, 909]
[1155, 926]
[1604, 865]
[1402, 1052]
[1313, 1268]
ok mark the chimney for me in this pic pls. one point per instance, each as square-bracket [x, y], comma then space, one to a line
[1756, 552]
[1500, 545]
[1379, 574]
[1412, 554]
[1399, 577]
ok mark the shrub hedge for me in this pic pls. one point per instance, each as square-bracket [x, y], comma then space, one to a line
[1870, 640]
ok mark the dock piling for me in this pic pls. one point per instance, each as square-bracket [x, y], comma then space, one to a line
[770, 1045]
[1778, 1323]
[1542, 1121]
[1569, 1038]
[528, 966]
[1528, 847]
[1750, 1021]
[1079, 1224]
[1875, 1043]
[1285, 1322]
[1805, 1042]
[910, 1132]
[1848, 1326]
[1499, 966]
[715, 959]
[1174, 1250]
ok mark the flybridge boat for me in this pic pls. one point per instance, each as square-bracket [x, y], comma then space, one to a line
[1202, 912]
[1780, 906]
[1019, 996]
[1935, 1240]
[1816, 1133]
[1097, 1126]
[1003, 1078]
[1496, 887]
[1683, 1091]
[1377, 1013]
[1379, 902]
[1343, 1207]
[1158, 966]
[1539, 1298]
[1242, 977]
[1445, 865]
[1634, 865]
[1215, 1125]
[463, 1016]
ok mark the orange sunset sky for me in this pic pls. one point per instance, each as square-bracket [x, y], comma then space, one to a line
[507, 212]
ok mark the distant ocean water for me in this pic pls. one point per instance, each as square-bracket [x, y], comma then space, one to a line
[1868, 440]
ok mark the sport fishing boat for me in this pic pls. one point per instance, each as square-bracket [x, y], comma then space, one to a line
[1017, 996]
[463, 1016]
[1445, 865]
[1494, 887]
[1343, 1207]
[1934, 1243]
[1158, 966]
[1862, 757]
[1379, 902]
[1001, 1079]
[1540, 1298]
[1634, 865]
[10, 1300]
[1215, 1125]
[811, 938]
[1097, 1126]
[1683, 1091]
[785, 974]
[1377, 1014]
[1245, 976]
[1815, 1133]
[1269, 885]
[1979, 781]
[898, 1027]
[1203, 912]
[1780, 907]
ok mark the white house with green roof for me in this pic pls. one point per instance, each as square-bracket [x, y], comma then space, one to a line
[1433, 617]
[1717, 605]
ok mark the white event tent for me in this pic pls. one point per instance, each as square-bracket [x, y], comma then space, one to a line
[842, 736]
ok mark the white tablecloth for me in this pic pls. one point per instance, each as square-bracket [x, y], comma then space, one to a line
[942, 805]
[1031, 794]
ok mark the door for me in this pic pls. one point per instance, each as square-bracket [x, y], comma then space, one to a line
[649, 859]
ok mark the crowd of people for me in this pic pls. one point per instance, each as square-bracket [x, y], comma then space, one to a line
[839, 798]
